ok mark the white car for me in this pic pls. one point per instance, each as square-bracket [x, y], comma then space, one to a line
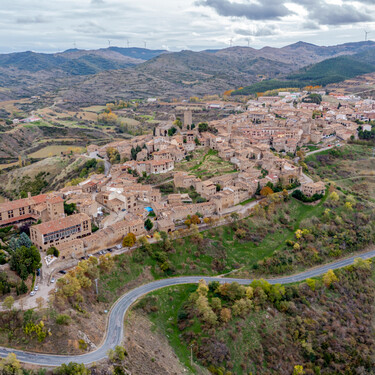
[52, 280]
[32, 293]
[36, 288]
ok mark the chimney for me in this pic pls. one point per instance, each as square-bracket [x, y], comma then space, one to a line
[28, 194]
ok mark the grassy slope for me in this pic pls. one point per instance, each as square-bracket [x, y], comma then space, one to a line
[243, 334]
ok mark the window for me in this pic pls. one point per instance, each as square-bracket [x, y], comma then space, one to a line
[10, 214]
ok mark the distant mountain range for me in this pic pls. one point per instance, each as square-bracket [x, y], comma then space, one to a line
[93, 76]
[336, 69]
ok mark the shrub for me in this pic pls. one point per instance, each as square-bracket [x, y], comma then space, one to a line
[63, 319]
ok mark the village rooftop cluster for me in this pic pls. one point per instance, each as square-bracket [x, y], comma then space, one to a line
[260, 141]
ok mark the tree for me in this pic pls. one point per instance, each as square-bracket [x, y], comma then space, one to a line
[118, 354]
[8, 303]
[113, 155]
[329, 278]
[53, 251]
[216, 304]
[10, 365]
[225, 315]
[157, 236]
[148, 224]
[70, 208]
[311, 283]
[266, 190]
[334, 197]
[106, 262]
[72, 369]
[24, 240]
[172, 131]
[202, 289]
[195, 220]
[23, 288]
[25, 261]
[298, 370]
[202, 127]
[348, 206]
[129, 240]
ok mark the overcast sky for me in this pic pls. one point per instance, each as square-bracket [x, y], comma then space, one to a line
[57, 25]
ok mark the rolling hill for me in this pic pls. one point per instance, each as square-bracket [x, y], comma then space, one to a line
[333, 70]
[93, 76]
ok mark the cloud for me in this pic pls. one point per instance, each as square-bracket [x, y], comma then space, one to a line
[333, 14]
[257, 31]
[90, 27]
[310, 25]
[265, 10]
[31, 20]
[319, 11]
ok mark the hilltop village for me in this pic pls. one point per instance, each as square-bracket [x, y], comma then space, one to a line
[151, 182]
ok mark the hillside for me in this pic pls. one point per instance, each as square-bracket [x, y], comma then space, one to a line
[337, 69]
[333, 70]
[90, 77]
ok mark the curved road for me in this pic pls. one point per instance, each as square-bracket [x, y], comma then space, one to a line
[114, 334]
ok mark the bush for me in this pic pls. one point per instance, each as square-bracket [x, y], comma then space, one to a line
[53, 251]
[63, 319]
[303, 198]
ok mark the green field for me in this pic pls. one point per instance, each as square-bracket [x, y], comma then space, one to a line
[206, 165]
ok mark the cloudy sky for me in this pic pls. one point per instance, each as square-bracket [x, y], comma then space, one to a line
[57, 25]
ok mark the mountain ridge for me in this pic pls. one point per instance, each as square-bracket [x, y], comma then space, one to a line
[74, 76]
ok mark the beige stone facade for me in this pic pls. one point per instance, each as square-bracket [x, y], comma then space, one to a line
[59, 231]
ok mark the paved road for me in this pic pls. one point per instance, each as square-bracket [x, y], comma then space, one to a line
[107, 164]
[116, 318]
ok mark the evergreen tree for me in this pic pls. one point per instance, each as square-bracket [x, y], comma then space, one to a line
[24, 240]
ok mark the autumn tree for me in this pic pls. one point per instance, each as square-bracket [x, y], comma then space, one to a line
[195, 220]
[225, 315]
[334, 197]
[129, 240]
[113, 155]
[329, 278]
[298, 370]
[106, 262]
[265, 191]
[109, 118]
[10, 365]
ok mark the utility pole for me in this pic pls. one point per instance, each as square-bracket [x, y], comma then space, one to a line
[191, 355]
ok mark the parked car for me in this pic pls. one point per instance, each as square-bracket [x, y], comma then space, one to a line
[52, 280]
[36, 288]
[38, 272]
[110, 250]
[63, 272]
[32, 293]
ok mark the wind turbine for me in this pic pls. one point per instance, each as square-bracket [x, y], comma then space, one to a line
[366, 33]
[248, 42]
[109, 43]
[127, 42]
[145, 43]
[230, 42]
